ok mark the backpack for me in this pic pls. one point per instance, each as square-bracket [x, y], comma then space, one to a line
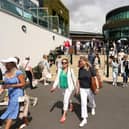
[41, 66]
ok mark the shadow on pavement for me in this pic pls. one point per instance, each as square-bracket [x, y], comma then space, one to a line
[58, 104]
[77, 110]
[19, 122]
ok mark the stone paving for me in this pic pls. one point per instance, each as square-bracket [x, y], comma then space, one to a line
[112, 111]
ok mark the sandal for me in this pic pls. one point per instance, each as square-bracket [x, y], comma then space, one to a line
[62, 120]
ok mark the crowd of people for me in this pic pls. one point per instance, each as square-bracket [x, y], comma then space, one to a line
[119, 62]
[120, 67]
[17, 75]
[13, 82]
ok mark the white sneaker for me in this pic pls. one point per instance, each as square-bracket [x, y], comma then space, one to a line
[126, 85]
[93, 111]
[113, 84]
[123, 85]
[83, 122]
[45, 84]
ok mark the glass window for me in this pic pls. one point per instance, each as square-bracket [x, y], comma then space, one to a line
[119, 16]
[127, 14]
[27, 15]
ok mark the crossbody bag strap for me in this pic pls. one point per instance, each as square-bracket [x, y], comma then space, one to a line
[26, 65]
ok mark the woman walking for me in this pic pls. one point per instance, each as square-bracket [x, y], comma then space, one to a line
[126, 71]
[13, 81]
[84, 86]
[28, 70]
[115, 69]
[97, 62]
[65, 80]
[46, 74]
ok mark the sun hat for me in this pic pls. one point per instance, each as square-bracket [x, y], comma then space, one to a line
[8, 60]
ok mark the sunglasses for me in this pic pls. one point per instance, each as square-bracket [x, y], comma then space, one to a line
[64, 62]
[79, 61]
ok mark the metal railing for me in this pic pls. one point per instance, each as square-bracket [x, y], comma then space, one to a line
[37, 15]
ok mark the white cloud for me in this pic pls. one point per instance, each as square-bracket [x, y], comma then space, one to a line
[89, 15]
[86, 19]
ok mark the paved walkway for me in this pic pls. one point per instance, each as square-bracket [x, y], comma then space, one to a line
[112, 110]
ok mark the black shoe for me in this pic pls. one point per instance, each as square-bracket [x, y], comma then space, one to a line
[33, 88]
[1, 121]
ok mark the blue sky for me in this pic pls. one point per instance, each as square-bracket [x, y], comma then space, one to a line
[89, 15]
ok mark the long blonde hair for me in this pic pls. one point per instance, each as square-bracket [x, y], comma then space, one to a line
[87, 65]
[66, 59]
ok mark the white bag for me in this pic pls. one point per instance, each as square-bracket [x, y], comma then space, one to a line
[49, 76]
[21, 99]
[35, 83]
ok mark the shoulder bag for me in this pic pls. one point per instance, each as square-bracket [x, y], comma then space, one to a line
[94, 85]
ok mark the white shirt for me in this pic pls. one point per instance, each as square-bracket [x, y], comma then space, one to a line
[26, 65]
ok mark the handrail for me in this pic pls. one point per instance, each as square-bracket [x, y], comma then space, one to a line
[26, 14]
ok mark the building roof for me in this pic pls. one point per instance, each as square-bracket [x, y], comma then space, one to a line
[82, 36]
[84, 33]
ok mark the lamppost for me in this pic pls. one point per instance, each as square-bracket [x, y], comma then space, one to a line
[107, 62]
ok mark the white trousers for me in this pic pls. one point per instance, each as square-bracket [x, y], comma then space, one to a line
[115, 76]
[67, 95]
[86, 94]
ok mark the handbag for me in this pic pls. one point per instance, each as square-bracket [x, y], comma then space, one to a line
[35, 83]
[94, 85]
[49, 76]
[21, 99]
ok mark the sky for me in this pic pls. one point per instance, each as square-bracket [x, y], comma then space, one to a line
[89, 15]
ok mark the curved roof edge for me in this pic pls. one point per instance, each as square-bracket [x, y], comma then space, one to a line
[116, 10]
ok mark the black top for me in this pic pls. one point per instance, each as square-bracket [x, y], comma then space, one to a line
[84, 77]
[126, 65]
[1, 76]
